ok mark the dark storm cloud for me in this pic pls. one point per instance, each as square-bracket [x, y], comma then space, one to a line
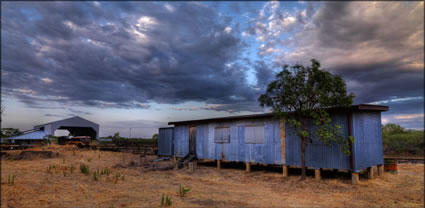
[377, 47]
[120, 54]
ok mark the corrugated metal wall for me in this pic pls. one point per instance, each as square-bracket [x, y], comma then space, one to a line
[165, 142]
[236, 149]
[366, 130]
[368, 147]
[318, 154]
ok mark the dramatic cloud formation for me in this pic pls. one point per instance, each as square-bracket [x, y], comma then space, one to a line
[120, 55]
[216, 56]
[377, 47]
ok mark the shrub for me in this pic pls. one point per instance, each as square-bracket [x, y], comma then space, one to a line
[183, 191]
[398, 140]
[11, 180]
[96, 176]
[166, 200]
[84, 169]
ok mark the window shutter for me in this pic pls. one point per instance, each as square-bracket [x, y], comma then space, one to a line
[254, 134]
[222, 135]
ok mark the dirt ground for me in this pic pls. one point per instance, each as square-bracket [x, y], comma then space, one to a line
[37, 186]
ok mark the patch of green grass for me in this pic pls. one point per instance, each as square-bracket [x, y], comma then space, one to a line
[183, 191]
[84, 169]
[11, 179]
[96, 176]
[166, 200]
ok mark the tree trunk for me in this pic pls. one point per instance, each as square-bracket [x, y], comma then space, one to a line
[303, 158]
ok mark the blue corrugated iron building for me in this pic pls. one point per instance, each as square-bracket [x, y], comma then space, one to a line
[262, 139]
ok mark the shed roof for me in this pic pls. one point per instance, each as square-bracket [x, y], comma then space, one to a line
[360, 107]
[60, 121]
[35, 135]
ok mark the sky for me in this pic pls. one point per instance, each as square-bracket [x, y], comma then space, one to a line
[140, 65]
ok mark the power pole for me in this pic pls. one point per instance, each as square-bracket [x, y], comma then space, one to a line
[130, 134]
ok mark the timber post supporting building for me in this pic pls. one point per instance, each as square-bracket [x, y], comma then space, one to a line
[261, 138]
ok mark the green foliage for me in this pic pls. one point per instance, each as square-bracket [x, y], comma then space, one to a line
[301, 94]
[392, 128]
[304, 93]
[8, 132]
[398, 140]
[11, 179]
[96, 176]
[133, 142]
[166, 200]
[105, 171]
[84, 169]
[183, 191]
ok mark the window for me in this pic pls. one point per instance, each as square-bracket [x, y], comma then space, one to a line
[254, 134]
[222, 135]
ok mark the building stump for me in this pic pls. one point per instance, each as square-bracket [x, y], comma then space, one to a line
[285, 170]
[354, 178]
[248, 167]
[317, 174]
[370, 172]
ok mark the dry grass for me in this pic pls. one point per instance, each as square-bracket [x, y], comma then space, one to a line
[229, 187]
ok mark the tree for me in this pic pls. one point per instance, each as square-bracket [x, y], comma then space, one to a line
[8, 132]
[391, 128]
[116, 135]
[304, 93]
[155, 136]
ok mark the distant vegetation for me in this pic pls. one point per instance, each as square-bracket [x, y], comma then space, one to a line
[398, 140]
[121, 141]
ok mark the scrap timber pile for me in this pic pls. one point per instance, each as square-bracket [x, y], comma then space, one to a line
[63, 176]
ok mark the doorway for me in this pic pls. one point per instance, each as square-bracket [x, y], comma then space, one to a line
[192, 140]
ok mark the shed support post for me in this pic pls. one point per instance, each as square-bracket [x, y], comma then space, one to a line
[218, 164]
[285, 170]
[317, 174]
[191, 167]
[354, 178]
[380, 169]
[370, 172]
[248, 167]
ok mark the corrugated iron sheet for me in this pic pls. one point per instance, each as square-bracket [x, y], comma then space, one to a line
[367, 148]
[367, 131]
[165, 142]
[36, 135]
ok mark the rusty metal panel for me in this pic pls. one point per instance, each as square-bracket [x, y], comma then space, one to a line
[283, 141]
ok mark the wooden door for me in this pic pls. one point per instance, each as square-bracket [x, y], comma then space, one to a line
[192, 140]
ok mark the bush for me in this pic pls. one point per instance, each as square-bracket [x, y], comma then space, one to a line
[398, 140]
[166, 200]
[84, 169]
[183, 191]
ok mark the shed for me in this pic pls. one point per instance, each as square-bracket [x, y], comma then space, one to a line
[29, 138]
[260, 138]
[77, 126]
